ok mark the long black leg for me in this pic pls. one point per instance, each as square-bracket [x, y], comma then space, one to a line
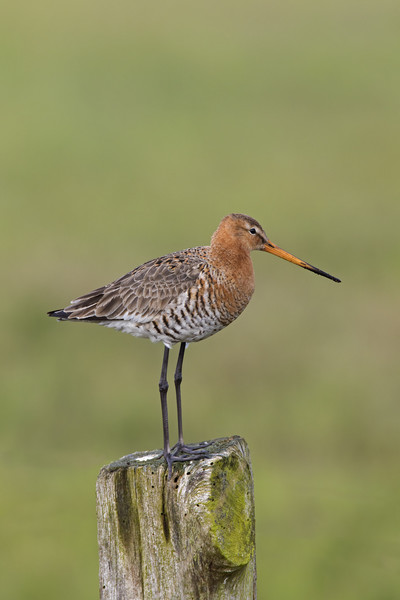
[195, 450]
[163, 387]
[178, 381]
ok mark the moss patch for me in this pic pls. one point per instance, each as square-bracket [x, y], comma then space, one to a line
[232, 526]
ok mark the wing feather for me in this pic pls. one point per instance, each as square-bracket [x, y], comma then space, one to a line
[144, 292]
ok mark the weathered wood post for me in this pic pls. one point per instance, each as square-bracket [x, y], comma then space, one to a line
[190, 537]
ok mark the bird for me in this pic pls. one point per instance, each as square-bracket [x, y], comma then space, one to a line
[180, 298]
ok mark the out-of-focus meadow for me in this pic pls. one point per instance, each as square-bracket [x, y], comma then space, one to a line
[129, 130]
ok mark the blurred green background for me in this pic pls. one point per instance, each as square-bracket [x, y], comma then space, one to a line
[128, 130]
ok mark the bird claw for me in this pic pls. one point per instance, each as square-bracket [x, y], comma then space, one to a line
[174, 458]
[192, 449]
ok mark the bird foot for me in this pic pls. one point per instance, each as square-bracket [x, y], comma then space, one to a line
[190, 449]
[180, 458]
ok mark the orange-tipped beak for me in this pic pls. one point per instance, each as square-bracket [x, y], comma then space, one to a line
[272, 249]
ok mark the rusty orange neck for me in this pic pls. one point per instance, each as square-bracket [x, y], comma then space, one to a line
[230, 255]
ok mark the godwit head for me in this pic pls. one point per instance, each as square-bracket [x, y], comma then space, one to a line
[239, 234]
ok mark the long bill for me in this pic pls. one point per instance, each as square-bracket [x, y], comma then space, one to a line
[273, 249]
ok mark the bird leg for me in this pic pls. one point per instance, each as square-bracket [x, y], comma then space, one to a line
[178, 381]
[188, 453]
[163, 387]
[194, 450]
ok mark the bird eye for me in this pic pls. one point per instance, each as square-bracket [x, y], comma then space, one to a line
[252, 231]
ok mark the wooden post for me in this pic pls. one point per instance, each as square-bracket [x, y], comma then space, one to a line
[189, 537]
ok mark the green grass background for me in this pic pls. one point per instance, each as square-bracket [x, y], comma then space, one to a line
[129, 130]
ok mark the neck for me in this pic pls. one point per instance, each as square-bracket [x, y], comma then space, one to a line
[233, 260]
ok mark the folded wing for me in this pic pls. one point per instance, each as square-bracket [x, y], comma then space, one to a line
[141, 294]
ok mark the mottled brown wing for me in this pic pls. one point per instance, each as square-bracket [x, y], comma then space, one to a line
[143, 293]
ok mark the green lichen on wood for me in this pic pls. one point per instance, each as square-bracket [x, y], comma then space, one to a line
[231, 510]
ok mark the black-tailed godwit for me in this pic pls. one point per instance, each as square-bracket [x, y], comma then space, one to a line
[183, 297]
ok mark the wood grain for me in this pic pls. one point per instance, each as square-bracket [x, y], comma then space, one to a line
[191, 536]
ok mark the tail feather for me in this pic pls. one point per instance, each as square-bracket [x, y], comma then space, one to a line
[59, 314]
